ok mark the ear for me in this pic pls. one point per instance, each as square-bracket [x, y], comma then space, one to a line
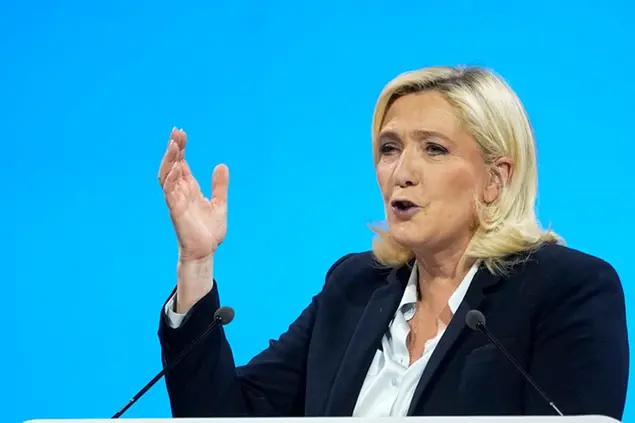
[500, 173]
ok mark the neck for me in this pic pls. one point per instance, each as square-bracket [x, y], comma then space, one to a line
[443, 264]
[441, 272]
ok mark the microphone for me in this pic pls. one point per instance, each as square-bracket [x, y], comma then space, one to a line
[475, 320]
[222, 316]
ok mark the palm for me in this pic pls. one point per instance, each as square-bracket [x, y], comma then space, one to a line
[200, 224]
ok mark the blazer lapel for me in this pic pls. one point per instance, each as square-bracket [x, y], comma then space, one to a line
[365, 341]
[472, 300]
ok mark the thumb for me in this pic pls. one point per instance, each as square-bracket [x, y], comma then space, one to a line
[220, 184]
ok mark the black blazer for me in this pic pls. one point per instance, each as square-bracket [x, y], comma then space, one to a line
[561, 314]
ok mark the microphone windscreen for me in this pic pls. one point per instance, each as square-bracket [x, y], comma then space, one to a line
[225, 314]
[474, 319]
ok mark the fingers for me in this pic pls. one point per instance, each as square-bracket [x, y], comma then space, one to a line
[179, 136]
[187, 176]
[169, 159]
[174, 153]
[220, 185]
[174, 167]
[173, 177]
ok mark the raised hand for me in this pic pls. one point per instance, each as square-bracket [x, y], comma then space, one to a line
[200, 224]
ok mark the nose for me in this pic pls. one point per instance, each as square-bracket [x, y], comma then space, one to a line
[407, 173]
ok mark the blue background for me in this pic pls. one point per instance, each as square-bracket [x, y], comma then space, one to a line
[283, 92]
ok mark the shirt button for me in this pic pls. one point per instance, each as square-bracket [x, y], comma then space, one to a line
[395, 382]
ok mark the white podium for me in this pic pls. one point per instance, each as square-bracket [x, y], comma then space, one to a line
[428, 419]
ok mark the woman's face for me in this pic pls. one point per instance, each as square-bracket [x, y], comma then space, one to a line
[430, 171]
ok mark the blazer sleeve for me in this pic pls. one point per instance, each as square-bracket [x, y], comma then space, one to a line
[207, 383]
[581, 355]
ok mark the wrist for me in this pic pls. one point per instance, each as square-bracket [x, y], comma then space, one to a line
[185, 261]
[195, 280]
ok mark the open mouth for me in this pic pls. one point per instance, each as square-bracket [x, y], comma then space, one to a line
[403, 205]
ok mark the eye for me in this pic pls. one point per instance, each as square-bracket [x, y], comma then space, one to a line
[436, 149]
[387, 148]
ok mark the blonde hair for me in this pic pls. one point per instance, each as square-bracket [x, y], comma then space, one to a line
[497, 120]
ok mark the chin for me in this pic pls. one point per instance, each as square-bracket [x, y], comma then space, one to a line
[407, 234]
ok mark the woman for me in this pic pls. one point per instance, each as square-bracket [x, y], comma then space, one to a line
[455, 160]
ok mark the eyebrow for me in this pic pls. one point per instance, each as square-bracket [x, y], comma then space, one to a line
[418, 134]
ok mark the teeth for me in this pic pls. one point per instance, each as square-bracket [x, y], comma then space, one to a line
[403, 205]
